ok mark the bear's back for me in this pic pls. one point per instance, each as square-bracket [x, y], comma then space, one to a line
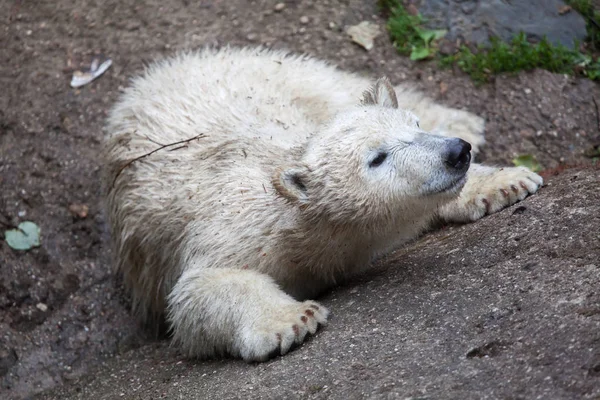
[256, 93]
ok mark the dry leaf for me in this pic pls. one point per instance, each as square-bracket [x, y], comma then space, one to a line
[564, 10]
[24, 237]
[364, 33]
[81, 78]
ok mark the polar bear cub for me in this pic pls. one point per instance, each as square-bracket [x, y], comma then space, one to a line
[241, 183]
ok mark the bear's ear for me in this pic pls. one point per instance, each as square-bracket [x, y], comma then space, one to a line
[382, 93]
[291, 183]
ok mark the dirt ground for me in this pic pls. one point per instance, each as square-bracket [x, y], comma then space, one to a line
[507, 308]
[61, 309]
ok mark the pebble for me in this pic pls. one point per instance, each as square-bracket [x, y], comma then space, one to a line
[279, 7]
[304, 20]
[42, 307]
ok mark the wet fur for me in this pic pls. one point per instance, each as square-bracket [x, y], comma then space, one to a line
[230, 234]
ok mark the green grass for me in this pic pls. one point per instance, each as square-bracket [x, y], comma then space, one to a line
[520, 55]
[592, 19]
[410, 38]
[407, 33]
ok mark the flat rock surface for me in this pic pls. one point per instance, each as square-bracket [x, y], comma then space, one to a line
[63, 314]
[508, 307]
[475, 21]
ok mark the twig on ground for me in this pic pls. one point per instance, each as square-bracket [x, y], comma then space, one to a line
[180, 147]
[128, 163]
[593, 21]
[154, 141]
[597, 113]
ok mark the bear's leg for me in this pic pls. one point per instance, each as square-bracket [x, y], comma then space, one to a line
[243, 313]
[489, 190]
[442, 120]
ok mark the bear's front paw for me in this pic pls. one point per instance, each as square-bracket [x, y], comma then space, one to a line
[278, 329]
[503, 188]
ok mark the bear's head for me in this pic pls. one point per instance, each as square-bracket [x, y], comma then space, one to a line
[373, 164]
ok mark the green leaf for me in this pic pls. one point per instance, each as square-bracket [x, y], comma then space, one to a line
[425, 34]
[582, 60]
[429, 35]
[25, 237]
[439, 33]
[528, 161]
[419, 53]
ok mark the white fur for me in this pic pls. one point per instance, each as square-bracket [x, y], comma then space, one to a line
[282, 196]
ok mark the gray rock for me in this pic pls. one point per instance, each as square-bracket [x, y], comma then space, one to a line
[477, 20]
[504, 308]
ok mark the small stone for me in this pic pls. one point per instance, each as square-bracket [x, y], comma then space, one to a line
[79, 210]
[42, 307]
[279, 7]
[304, 20]
[412, 10]
[527, 91]
[447, 47]
[443, 88]
[251, 36]
[133, 25]
[527, 133]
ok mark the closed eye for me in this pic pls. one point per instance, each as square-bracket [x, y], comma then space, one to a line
[377, 161]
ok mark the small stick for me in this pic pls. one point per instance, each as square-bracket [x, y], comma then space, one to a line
[128, 163]
[180, 147]
[154, 141]
[597, 113]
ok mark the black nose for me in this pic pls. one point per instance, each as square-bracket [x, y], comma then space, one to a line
[458, 153]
